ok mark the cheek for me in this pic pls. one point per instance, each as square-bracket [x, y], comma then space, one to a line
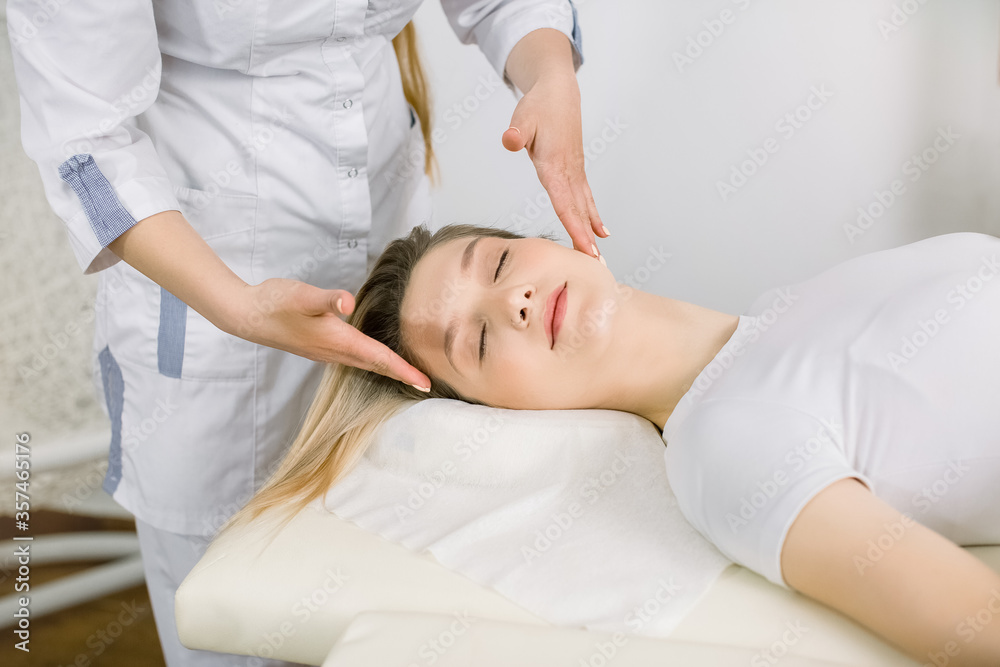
[593, 324]
[526, 383]
[510, 373]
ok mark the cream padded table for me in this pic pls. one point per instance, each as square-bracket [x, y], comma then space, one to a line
[323, 591]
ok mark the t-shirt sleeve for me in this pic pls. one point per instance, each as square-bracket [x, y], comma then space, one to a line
[743, 469]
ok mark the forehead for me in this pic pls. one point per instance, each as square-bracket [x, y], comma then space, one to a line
[434, 286]
[436, 279]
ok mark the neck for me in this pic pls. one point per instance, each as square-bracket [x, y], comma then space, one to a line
[663, 345]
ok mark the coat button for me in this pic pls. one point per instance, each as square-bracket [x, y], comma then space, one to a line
[341, 39]
[352, 173]
[352, 243]
[348, 104]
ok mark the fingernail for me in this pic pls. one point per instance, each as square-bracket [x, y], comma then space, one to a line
[593, 249]
[515, 129]
[605, 229]
[420, 388]
[340, 301]
[602, 260]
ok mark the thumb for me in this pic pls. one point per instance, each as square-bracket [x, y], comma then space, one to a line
[518, 135]
[343, 301]
[319, 301]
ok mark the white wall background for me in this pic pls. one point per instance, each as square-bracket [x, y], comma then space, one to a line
[681, 131]
[685, 128]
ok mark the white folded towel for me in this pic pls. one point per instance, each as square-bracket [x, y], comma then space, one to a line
[568, 513]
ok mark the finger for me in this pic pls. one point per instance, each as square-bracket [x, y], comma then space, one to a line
[595, 219]
[364, 352]
[570, 215]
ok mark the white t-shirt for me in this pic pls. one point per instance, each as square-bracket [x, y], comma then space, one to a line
[885, 367]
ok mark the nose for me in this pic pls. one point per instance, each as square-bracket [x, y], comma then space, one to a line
[520, 302]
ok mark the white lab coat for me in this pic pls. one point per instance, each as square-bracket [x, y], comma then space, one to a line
[280, 131]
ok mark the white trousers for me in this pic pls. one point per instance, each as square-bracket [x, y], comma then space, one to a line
[167, 558]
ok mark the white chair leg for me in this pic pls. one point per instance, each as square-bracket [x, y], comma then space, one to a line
[77, 588]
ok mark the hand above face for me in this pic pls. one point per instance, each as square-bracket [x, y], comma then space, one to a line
[547, 122]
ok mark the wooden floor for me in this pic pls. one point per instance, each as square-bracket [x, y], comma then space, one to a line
[88, 634]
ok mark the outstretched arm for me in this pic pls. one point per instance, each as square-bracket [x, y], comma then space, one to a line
[854, 552]
[536, 46]
[548, 125]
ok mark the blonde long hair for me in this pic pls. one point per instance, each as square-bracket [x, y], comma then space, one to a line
[416, 90]
[350, 403]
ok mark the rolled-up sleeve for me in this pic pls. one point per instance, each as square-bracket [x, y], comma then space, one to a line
[497, 25]
[84, 70]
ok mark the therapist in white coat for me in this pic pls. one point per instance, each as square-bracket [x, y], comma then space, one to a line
[249, 161]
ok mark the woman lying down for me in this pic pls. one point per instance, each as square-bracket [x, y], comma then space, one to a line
[841, 438]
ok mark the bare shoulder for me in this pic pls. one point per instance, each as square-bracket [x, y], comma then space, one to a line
[920, 591]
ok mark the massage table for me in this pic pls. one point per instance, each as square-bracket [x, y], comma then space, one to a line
[322, 591]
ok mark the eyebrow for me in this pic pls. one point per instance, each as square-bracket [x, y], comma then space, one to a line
[452, 330]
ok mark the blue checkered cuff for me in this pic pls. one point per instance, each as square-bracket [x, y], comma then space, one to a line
[108, 218]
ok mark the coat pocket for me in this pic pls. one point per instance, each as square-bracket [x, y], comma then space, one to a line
[188, 344]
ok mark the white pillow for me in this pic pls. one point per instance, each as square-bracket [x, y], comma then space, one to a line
[568, 513]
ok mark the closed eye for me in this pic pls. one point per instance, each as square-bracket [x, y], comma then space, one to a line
[482, 336]
[503, 260]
